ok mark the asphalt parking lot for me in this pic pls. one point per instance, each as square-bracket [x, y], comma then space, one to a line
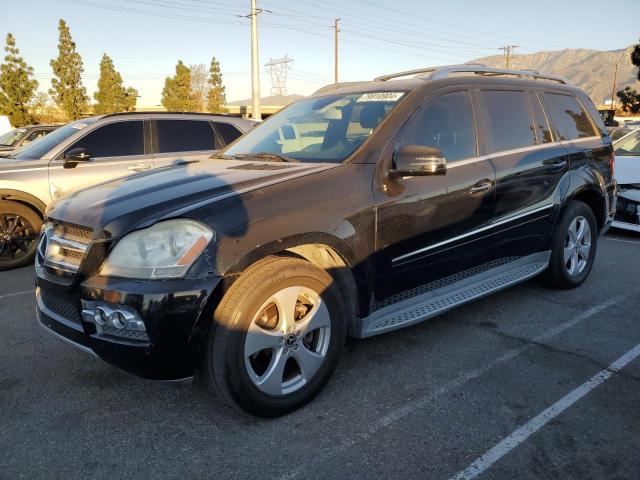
[530, 383]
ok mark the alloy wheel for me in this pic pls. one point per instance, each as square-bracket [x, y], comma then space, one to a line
[17, 237]
[287, 341]
[577, 246]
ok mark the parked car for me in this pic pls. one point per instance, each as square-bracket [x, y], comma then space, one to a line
[616, 133]
[412, 196]
[92, 150]
[19, 137]
[627, 173]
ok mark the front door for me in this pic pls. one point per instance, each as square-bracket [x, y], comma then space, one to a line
[116, 150]
[429, 227]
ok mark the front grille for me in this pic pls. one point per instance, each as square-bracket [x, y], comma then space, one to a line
[63, 306]
[62, 249]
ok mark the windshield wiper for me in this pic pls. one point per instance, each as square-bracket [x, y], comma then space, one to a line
[272, 157]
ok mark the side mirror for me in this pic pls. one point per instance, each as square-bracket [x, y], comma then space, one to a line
[75, 156]
[416, 160]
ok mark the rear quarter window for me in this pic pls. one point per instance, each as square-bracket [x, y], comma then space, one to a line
[569, 117]
[228, 132]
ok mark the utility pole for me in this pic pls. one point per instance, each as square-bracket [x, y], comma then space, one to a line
[255, 68]
[507, 53]
[336, 30]
[613, 87]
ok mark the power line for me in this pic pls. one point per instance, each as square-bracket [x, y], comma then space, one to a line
[507, 53]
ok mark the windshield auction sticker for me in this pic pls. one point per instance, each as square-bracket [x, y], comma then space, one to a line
[380, 97]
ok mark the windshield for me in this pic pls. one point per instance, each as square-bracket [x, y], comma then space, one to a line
[43, 145]
[629, 145]
[12, 136]
[324, 129]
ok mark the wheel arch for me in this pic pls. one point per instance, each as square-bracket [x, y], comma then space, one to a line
[24, 198]
[322, 250]
[595, 200]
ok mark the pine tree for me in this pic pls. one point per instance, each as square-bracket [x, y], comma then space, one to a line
[216, 98]
[17, 88]
[176, 94]
[67, 90]
[199, 86]
[131, 98]
[111, 95]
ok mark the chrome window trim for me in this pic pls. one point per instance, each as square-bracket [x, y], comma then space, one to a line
[513, 151]
[473, 232]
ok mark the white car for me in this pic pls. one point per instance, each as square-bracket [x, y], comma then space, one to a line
[627, 174]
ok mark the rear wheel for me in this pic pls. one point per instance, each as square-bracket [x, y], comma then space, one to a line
[573, 247]
[19, 230]
[277, 336]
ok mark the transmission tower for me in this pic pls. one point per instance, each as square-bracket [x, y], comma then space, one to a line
[508, 54]
[278, 69]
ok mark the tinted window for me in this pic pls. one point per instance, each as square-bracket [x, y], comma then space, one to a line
[509, 120]
[229, 133]
[185, 136]
[542, 123]
[113, 140]
[446, 123]
[569, 117]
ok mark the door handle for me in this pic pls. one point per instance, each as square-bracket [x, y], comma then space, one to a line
[481, 188]
[557, 163]
[139, 167]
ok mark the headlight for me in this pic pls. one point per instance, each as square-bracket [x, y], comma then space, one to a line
[165, 250]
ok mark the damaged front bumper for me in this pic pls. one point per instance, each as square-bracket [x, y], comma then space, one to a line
[628, 208]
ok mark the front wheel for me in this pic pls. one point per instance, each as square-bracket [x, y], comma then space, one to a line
[573, 247]
[19, 230]
[276, 337]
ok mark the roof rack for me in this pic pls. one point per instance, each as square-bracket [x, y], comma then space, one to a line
[159, 112]
[436, 73]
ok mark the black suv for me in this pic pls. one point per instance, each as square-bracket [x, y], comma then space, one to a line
[365, 208]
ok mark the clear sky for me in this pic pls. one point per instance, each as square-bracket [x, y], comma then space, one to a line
[146, 38]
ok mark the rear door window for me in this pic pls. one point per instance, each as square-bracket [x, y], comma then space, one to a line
[227, 132]
[184, 136]
[446, 123]
[569, 117]
[117, 139]
[509, 121]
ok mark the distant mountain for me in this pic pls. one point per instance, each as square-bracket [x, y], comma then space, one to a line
[273, 101]
[591, 70]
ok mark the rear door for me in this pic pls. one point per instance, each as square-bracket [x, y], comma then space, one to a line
[176, 139]
[529, 168]
[117, 149]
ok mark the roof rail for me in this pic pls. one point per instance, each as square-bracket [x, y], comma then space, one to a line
[159, 112]
[436, 73]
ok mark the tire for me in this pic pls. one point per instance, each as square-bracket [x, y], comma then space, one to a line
[260, 358]
[19, 231]
[572, 258]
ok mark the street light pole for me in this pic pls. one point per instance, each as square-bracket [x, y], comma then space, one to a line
[255, 68]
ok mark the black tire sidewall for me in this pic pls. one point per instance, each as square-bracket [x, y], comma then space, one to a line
[230, 334]
[560, 277]
[36, 223]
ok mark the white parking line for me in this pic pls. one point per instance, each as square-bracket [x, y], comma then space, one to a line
[8, 295]
[621, 240]
[524, 432]
[460, 380]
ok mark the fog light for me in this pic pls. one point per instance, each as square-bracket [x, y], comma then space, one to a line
[118, 320]
[100, 316]
[115, 320]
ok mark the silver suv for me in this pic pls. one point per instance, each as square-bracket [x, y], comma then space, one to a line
[90, 151]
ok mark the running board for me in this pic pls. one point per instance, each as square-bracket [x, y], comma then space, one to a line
[435, 302]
